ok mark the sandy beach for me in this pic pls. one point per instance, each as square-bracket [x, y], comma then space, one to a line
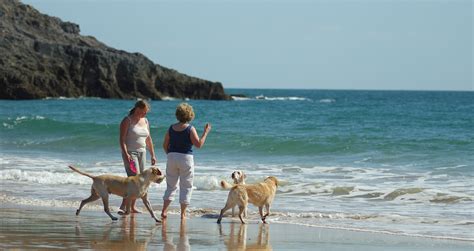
[59, 228]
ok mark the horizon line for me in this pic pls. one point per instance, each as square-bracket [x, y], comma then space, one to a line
[327, 89]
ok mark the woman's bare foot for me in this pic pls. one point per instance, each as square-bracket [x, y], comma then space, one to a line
[183, 211]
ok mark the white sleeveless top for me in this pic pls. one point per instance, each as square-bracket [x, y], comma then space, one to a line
[136, 136]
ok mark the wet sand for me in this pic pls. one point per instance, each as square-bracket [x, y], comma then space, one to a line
[59, 228]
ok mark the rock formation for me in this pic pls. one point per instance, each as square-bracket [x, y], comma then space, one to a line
[42, 56]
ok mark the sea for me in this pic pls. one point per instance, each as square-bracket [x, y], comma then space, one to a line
[395, 162]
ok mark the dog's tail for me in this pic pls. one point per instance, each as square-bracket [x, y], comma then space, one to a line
[83, 173]
[226, 185]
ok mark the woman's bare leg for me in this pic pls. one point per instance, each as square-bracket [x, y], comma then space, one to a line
[164, 211]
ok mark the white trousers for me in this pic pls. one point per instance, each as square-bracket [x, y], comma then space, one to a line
[179, 167]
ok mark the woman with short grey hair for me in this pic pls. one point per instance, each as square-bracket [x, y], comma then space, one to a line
[178, 145]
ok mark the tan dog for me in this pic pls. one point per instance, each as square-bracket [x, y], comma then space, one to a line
[132, 187]
[260, 195]
[239, 179]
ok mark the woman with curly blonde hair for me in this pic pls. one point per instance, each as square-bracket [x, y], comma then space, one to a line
[178, 145]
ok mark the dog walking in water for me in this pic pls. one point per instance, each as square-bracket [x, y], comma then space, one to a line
[260, 194]
[132, 187]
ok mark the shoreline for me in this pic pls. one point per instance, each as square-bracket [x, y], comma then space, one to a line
[212, 214]
[41, 227]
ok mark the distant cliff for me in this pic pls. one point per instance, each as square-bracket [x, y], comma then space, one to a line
[42, 56]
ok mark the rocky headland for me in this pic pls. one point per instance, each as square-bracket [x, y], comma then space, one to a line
[43, 56]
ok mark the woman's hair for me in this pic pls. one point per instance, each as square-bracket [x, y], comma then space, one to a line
[142, 104]
[184, 113]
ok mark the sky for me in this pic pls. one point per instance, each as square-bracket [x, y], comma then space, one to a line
[290, 44]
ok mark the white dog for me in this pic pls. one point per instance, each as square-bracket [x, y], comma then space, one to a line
[239, 179]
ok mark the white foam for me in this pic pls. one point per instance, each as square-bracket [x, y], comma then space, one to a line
[327, 100]
[44, 177]
[240, 98]
[168, 98]
[206, 183]
[43, 203]
[69, 98]
[262, 97]
[12, 122]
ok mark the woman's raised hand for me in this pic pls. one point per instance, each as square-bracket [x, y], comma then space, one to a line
[207, 128]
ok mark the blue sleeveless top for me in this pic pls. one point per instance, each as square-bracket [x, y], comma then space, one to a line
[180, 141]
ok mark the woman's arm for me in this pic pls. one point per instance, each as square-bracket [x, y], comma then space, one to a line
[123, 135]
[199, 142]
[166, 142]
[151, 148]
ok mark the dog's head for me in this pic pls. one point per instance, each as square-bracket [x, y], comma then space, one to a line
[155, 174]
[238, 177]
[272, 179]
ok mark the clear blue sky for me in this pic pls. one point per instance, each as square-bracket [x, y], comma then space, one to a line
[388, 45]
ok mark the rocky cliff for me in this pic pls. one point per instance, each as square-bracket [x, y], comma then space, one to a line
[42, 56]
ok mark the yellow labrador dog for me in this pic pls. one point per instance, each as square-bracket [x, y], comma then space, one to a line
[132, 187]
[239, 179]
[260, 194]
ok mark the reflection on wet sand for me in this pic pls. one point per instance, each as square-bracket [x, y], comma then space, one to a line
[183, 240]
[124, 239]
[237, 240]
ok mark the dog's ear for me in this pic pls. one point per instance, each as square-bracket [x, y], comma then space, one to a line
[274, 179]
[156, 171]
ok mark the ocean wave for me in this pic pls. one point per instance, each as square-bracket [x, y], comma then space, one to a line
[327, 100]
[296, 181]
[11, 123]
[51, 203]
[449, 199]
[167, 98]
[262, 97]
[69, 98]
[45, 177]
[206, 183]
[41, 123]
[203, 183]
[42, 132]
[288, 98]
[238, 98]
[402, 191]
[394, 192]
